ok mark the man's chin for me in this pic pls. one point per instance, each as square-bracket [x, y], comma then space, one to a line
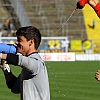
[19, 51]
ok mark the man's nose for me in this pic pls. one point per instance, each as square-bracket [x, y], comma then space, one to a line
[16, 42]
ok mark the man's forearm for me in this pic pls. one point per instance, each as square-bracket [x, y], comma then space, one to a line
[10, 58]
[4, 56]
[10, 79]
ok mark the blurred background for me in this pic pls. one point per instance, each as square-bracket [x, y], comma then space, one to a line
[80, 34]
[76, 45]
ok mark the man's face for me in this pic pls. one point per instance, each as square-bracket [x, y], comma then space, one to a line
[22, 45]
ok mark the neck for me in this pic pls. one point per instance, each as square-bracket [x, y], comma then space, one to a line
[30, 51]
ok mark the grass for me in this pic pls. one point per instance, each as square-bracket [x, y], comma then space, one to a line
[68, 81]
[73, 80]
[5, 93]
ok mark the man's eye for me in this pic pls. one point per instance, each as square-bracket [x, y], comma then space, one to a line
[19, 40]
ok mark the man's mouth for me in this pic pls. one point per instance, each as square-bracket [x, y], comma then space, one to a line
[19, 47]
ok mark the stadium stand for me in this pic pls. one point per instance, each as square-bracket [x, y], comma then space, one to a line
[10, 9]
[50, 15]
[7, 12]
[3, 15]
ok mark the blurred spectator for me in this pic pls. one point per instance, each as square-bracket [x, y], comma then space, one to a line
[9, 26]
[1, 26]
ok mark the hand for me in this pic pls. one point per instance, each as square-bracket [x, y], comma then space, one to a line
[2, 64]
[5, 67]
[93, 2]
[97, 75]
[81, 3]
[79, 6]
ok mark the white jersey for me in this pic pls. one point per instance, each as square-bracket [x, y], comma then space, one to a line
[32, 83]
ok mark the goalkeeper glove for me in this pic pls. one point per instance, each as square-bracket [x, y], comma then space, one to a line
[5, 67]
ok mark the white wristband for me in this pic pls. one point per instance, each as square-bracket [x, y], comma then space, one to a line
[0, 55]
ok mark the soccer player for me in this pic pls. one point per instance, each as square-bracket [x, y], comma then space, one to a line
[32, 83]
[93, 3]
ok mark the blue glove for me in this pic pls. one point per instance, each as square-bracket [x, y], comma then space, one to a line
[8, 48]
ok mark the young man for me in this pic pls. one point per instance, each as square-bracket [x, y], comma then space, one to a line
[93, 3]
[32, 83]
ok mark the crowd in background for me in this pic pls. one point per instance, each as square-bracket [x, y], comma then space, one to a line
[7, 28]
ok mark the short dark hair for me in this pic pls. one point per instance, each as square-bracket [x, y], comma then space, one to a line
[30, 32]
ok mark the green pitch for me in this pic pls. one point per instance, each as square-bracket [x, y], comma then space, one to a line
[68, 81]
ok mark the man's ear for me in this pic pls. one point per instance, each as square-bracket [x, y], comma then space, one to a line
[31, 41]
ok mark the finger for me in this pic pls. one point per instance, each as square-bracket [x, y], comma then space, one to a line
[97, 73]
[97, 78]
[98, 70]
